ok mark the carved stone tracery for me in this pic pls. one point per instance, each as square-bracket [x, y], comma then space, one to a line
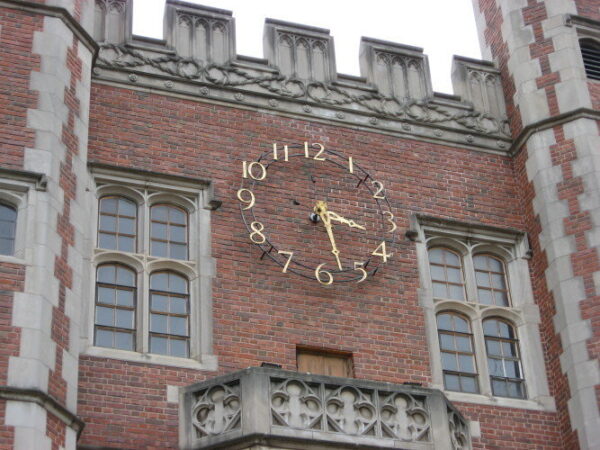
[404, 417]
[217, 410]
[296, 405]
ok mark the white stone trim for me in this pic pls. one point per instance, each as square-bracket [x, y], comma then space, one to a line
[146, 190]
[523, 313]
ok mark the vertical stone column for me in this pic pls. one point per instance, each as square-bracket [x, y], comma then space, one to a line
[41, 381]
[549, 106]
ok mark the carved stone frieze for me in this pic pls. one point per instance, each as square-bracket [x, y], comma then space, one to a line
[274, 83]
[217, 410]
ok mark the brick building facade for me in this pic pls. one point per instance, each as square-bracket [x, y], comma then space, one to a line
[168, 277]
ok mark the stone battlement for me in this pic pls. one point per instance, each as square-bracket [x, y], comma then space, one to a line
[197, 57]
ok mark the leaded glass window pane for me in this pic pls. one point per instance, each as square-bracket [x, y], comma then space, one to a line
[168, 232]
[115, 307]
[503, 357]
[169, 314]
[117, 224]
[458, 358]
[446, 274]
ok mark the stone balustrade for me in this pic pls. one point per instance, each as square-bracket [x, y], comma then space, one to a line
[279, 408]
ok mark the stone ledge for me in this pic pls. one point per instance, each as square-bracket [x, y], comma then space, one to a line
[46, 401]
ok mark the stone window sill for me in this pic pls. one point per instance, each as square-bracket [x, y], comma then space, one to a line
[205, 362]
[537, 404]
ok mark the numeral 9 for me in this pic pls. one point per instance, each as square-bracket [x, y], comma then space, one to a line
[250, 202]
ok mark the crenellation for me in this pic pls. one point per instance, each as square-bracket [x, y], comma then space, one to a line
[478, 82]
[397, 70]
[113, 21]
[299, 51]
[199, 32]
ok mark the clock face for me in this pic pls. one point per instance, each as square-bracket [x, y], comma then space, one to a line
[317, 213]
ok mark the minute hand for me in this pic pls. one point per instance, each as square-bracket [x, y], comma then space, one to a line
[351, 223]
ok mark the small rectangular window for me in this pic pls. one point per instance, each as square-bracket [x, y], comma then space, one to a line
[336, 364]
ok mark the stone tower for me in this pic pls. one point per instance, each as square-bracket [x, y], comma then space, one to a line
[46, 56]
[553, 106]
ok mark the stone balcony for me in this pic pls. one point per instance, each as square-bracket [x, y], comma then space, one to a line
[278, 409]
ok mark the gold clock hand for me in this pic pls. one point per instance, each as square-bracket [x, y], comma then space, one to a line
[321, 210]
[349, 222]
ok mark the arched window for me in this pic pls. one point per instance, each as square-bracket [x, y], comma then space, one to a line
[169, 314]
[168, 232]
[117, 224]
[8, 227]
[458, 358]
[503, 357]
[115, 307]
[491, 280]
[446, 274]
[590, 51]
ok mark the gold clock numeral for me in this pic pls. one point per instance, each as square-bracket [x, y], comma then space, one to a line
[285, 153]
[359, 266]
[287, 263]
[256, 236]
[350, 165]
[250, 202]
[379, 189]
[248, 170]
[319, 272]
[318, 157]
[390, 219]
[381, 251]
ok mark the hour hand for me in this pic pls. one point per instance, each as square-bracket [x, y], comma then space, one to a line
[351, 223]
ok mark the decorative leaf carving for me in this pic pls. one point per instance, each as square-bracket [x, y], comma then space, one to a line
[229, 76]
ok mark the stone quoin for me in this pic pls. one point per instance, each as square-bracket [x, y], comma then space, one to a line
[200, 249]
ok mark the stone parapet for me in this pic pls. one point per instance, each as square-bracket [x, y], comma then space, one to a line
[281, 407]
[298, 76]
[479, 82]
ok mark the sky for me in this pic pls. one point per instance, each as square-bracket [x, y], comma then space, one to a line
[441, 27]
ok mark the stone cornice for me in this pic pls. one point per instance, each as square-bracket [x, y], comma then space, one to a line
[39, 180]
[46, 401]
[544, 124]
[336, 114]
[58, 12]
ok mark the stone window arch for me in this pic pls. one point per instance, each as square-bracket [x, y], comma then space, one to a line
[142, 210]
[445, 266]
[497, 290]
[117, 223]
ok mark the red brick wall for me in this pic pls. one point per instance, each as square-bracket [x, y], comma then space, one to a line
[16, 63]
[588, 8]
[261, 314]
[12, 277]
